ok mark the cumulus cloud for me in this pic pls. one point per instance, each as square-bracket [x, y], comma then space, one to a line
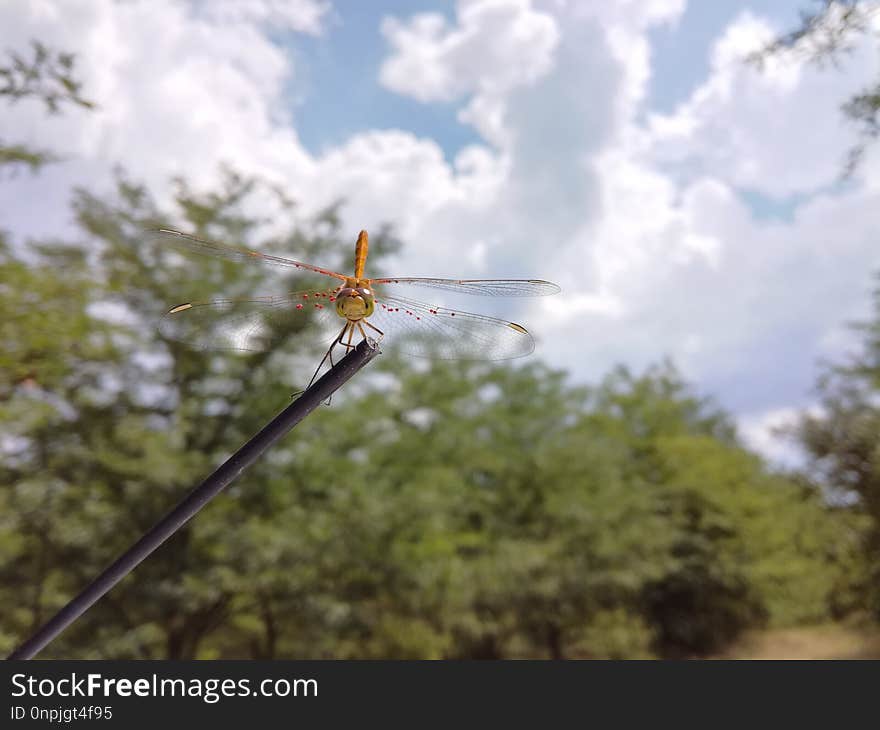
[543, 101]
[494, 46]
[178, 92]
[641, 217]
[777, 130]
[644, 222]
[304, 16]
[683, 265]
[768, 434]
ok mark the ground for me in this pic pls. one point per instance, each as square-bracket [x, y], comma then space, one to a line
[830, 641]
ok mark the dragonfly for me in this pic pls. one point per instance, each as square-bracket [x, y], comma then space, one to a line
[346, 309]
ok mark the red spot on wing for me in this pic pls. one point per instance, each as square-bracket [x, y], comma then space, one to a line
[299, 306]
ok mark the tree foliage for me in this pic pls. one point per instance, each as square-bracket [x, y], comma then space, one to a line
[45, 75]
[824, 34]
[436, 509]
[842, 439]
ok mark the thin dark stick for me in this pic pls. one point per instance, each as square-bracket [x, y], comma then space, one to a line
[311, 398]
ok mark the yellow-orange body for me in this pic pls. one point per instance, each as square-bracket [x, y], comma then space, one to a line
[355, 301]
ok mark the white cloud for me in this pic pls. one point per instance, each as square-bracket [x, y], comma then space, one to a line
[777, 131]
[767, 434]
[495, 46]
[634, 14]
[178, 92]
[684, 252]
[657, 258]
[304, 16]
[641, 222]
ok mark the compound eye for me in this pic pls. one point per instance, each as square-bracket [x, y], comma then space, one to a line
[368, 300]
[343, 299]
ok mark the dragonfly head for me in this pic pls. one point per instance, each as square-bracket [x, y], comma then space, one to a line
[354, 303]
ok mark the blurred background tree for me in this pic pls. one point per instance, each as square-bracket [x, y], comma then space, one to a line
[437, 509]
[827, 32]
[48, 76]
[843, 440]
[447, 510]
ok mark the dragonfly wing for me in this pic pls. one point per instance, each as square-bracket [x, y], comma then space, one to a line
[254, 324]
[192, 244]
[438, 332]
[481, 287]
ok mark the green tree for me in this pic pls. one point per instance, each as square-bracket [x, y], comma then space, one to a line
[823, 36]
[842, 440]
[48, 76]
[112, 424]
[436, 509]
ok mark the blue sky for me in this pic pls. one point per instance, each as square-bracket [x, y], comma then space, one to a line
[689, 206]
[336, 91]
[680, 52]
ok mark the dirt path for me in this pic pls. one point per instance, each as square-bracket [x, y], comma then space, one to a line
[832, 641]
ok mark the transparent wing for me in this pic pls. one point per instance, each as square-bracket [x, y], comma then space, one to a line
[191, 244]
[254, 324]
[481, 287]
[437, 332]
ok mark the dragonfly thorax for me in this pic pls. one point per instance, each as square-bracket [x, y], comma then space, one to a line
[354, 304]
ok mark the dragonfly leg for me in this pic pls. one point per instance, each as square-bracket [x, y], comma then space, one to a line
[347, 344]
[372, 327]
[328, 355]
